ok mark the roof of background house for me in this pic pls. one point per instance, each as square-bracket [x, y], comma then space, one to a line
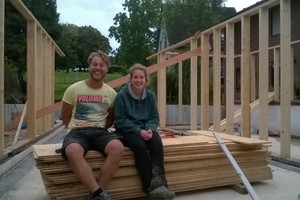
[179, 33]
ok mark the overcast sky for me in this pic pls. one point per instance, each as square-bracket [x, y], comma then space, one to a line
[100, 13]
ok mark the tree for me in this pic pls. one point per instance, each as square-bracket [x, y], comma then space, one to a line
[77, 42]
[46, 13]
[90, 39]
[15, 43]
[136, 31]
[194, 15]
[68, 42]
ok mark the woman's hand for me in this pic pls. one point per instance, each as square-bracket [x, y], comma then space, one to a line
[146, 134]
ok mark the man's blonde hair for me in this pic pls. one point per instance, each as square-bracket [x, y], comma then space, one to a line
[102, 55]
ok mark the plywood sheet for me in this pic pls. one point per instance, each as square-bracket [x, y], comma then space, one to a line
[233, 138]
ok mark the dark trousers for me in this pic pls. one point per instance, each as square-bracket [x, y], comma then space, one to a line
[149, 159]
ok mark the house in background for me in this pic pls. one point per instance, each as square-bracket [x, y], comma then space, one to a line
[171, 35]
[174, 34]
[274, 40]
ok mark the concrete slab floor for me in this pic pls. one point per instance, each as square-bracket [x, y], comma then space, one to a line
[24, 182]
[275, 146]
[285, 185]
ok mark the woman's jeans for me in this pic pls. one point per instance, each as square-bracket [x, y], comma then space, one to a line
[149, 159]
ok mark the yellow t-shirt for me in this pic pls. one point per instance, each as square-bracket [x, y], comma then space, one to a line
[90, 105]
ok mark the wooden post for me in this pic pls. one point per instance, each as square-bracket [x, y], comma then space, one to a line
[31, 78]
[229, 77]
[217, 79]
[50, 76]
[204, 82]
[44, 66]
[245, 78]
[51, 83]
[180, 95]
[2, 9]
[161, 92]
[194, 88]
[285, 70]
[263, 73]
[39, 79]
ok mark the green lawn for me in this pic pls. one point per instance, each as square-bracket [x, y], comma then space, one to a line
[63, 80]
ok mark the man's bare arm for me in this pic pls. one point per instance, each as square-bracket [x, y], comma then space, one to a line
[110, 118]
[66, 113]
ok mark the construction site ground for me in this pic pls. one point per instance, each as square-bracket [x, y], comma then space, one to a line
[21, 180]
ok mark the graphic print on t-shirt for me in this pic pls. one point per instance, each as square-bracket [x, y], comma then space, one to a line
[90, 109]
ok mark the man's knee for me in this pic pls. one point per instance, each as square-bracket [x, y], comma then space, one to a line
[74, 150]
[114, 148]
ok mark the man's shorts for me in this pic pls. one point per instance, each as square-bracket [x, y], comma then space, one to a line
[90, 138]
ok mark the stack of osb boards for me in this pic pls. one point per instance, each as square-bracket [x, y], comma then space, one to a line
[191, 163]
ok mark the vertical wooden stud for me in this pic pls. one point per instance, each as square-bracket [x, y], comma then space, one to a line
[31, 78]
[263, 73]
[205, 81]
[229, 77]
[194, 88]
[162, 92]
[217, 79]
[180, 95]
[245, 78]
[285, 71]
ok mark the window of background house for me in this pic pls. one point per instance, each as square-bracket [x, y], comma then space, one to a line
[166, 42]
[275, 21]
[238, 79]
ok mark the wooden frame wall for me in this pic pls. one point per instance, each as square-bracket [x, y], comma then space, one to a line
[250, 85]
[41, 51]
[39, 39]
[40, 72]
